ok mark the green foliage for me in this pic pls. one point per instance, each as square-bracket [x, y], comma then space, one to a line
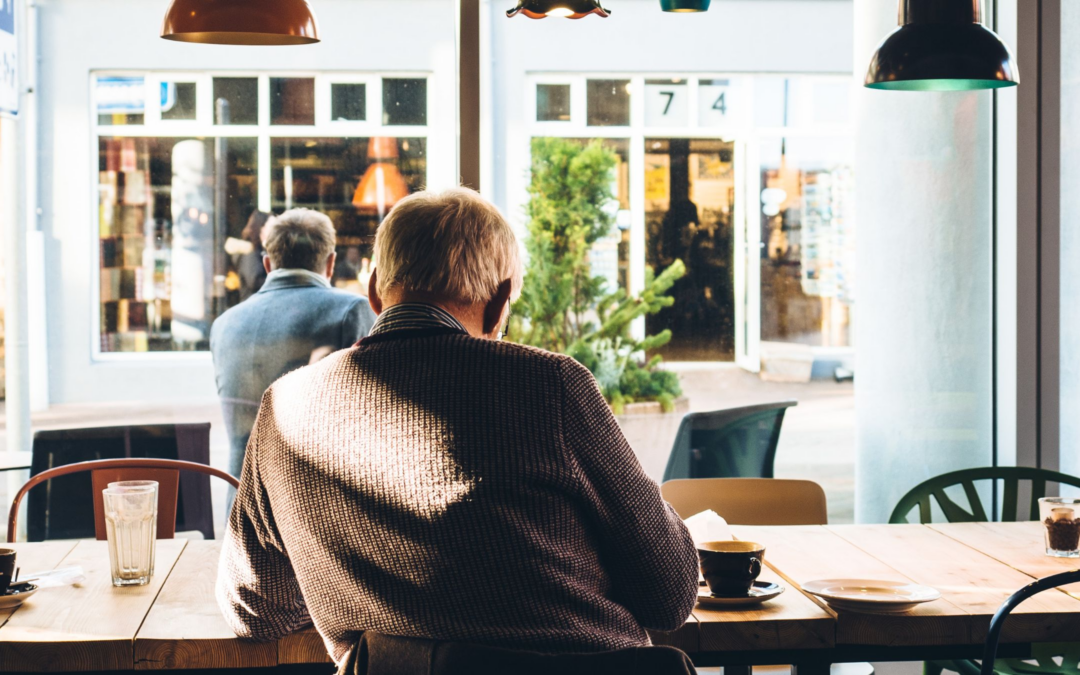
[563, 307]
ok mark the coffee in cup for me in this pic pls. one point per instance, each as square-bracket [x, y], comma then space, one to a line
[7, 569]
[731, 567]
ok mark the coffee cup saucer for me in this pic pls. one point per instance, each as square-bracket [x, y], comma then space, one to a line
[761, 591]
[17, 595]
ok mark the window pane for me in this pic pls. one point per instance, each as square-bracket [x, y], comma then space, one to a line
[355, 181]
[292, 100]
[178, 100]
[808, 228]
[166, 207]
[552, 103]
[348, 102]
[404, 102]
[690, 211]
[667, 103]
[1070, 241]
[121, 100]
[236, 100]
[717, 102]
[608, 103]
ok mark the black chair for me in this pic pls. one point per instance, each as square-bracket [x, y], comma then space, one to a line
[378, 654]
[994, 635]
[59, 510]
[733, 443]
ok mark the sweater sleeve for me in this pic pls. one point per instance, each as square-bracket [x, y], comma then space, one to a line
[644, 545]
[257, 589]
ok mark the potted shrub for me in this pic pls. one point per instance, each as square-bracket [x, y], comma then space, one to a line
[563, 307]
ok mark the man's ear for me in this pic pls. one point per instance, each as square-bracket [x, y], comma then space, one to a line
[373, 293]
[330, 261]
[493, 311]
[266, 264]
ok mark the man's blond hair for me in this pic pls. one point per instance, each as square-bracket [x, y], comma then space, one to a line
[300, 239]
[451, 244]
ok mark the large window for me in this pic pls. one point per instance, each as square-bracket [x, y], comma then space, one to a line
[184, 160]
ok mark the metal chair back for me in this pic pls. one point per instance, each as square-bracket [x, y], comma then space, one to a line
[103, 472]
[750, 501]
[993, 637]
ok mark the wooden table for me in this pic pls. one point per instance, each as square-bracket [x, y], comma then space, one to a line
[174, 622]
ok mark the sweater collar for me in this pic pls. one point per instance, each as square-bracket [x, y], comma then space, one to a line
[415, 316]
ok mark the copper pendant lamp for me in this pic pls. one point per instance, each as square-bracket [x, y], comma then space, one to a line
[241, 22]
[942, 45]
[382, 185]
[569, 9]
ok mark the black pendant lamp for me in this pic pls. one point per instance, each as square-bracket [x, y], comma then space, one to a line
[570, 9]
[942, 45]
[241, 22]
[685, 5]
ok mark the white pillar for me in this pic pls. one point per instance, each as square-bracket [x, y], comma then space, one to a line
[16, 342]
[924, 207]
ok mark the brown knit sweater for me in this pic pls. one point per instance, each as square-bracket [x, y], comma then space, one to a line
[431, 484]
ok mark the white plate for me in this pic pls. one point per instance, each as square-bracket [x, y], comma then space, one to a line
[870, 595]
[761, 592]
[12, 600]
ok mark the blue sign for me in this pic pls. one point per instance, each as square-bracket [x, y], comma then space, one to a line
[7, 16]
[9, 69]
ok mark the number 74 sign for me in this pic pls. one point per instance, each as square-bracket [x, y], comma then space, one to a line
[667, 104]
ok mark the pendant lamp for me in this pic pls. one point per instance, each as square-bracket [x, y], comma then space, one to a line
[241, 22]
[942, 45]
[382, 185]
[685, 5]
[570, 9]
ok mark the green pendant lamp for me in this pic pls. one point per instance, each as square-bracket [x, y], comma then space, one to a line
[942, 45]
[241, 22]
[570, 9]
[685, 5]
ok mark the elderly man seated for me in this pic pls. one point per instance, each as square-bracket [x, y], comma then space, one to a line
[437, 482]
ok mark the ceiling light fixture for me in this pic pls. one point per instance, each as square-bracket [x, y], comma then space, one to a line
[569, 9]
[942, 45]
[685, 5]
[241, 22]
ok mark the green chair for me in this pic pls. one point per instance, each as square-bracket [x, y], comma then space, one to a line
[926, 494]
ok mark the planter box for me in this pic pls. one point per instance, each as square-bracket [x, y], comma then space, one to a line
[651, 433]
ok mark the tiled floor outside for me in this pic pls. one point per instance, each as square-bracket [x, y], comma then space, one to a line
[818, 441]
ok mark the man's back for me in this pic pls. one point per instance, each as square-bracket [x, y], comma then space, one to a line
[291, 322]
[443, 486]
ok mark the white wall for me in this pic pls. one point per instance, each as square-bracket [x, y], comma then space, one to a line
[1070, 239]
[750, 36]
[923, 205]
[78, 36]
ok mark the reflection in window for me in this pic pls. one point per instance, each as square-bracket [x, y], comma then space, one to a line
[353, 180]
[178, 100]
[348, 102]
[552, 103]
[689, 216]
[236, 100]
[404, 102]
[165, 209]
[120, 100]
[608, 103]
[807, 226]
[292, 100]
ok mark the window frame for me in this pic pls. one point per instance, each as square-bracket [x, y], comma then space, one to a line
[204, 127]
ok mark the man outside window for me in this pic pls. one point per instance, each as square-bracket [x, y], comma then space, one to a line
[295, 319]
[436, 482]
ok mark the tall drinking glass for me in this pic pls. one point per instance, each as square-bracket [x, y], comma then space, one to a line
[131, 525]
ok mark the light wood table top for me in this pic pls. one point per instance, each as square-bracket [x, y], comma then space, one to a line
[174, 623]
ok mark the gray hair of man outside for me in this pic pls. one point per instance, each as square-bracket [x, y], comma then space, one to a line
[300, 239]
[452, 244]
